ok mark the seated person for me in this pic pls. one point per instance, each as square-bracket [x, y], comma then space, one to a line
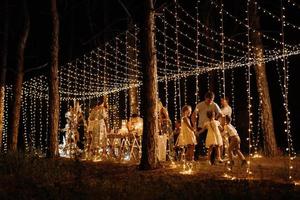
[135, 125]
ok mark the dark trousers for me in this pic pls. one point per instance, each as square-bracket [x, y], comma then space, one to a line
[200, 149]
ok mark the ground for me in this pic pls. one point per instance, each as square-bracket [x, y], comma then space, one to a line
[61, 178]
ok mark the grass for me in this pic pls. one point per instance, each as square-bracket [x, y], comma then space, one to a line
[41, 178]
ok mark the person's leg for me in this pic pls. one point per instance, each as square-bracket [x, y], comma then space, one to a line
[197, 147]
[218, 149]
[225, 146]
[209, 154]
[230, 150]
[239, 153]
[187, 153]
[192, 152]
[202, 137]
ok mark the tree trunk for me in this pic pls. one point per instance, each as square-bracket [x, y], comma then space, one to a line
[17, 89]
[133, 93]
[3, 64]
[54, 84]
[270, 145]
[150, 134]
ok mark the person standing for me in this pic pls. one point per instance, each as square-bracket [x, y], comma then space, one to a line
[213, 138]
[186, 138]
[225, 108]
[199, 117]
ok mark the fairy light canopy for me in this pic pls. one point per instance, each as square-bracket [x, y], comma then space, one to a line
[186, 46]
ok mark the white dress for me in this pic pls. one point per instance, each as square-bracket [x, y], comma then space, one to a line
[227, 110]
[213, 133]
[99, 131]
[186, 135]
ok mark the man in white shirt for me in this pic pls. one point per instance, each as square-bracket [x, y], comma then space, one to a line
[225, 109]
[199, 117]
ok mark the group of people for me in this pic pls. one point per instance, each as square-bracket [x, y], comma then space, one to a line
[209, 125]
[91, 135]
[93, 132]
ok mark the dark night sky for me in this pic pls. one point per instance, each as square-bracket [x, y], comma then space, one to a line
[85, 24]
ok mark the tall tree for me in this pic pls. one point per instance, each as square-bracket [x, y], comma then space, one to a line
[149, 158]
[270, 146]
[17, 88]
[54, 83]
[3, 63]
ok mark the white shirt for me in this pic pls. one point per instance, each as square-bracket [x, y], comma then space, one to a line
[201, 112]
[230, 130]
[226, 111]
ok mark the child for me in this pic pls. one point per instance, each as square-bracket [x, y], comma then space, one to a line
[187, 136]
[213, 138]
[234, 142]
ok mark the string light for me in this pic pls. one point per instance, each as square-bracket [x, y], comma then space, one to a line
[47, 120]
[279, 19]
[175, 101]
[165, 60]
[41, 124]
[291, 2]
[177, 56]
[74, 76]
[208, 82]
[197, 89]
[219, 80]
[197, 51]
[235, 19]
[139, 102]
[248, 81]
[8, 97]
[285, 96]
[126, 92]
[232, 97]
[222, 45]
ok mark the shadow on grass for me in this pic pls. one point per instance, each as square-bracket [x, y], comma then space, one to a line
[40, 178]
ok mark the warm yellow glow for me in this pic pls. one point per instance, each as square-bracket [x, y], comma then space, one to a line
[256, 155]
[123, 130]
[297, 183]
[229, 176]
[187, 172]
[173, 165]
[96, 160]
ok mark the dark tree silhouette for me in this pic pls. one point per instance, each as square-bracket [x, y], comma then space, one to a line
[54, 84]
[3, 63]
[270, 146]
[17, 87]
[149, 158]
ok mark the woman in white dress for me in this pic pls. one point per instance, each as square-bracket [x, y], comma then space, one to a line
[98, 127]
